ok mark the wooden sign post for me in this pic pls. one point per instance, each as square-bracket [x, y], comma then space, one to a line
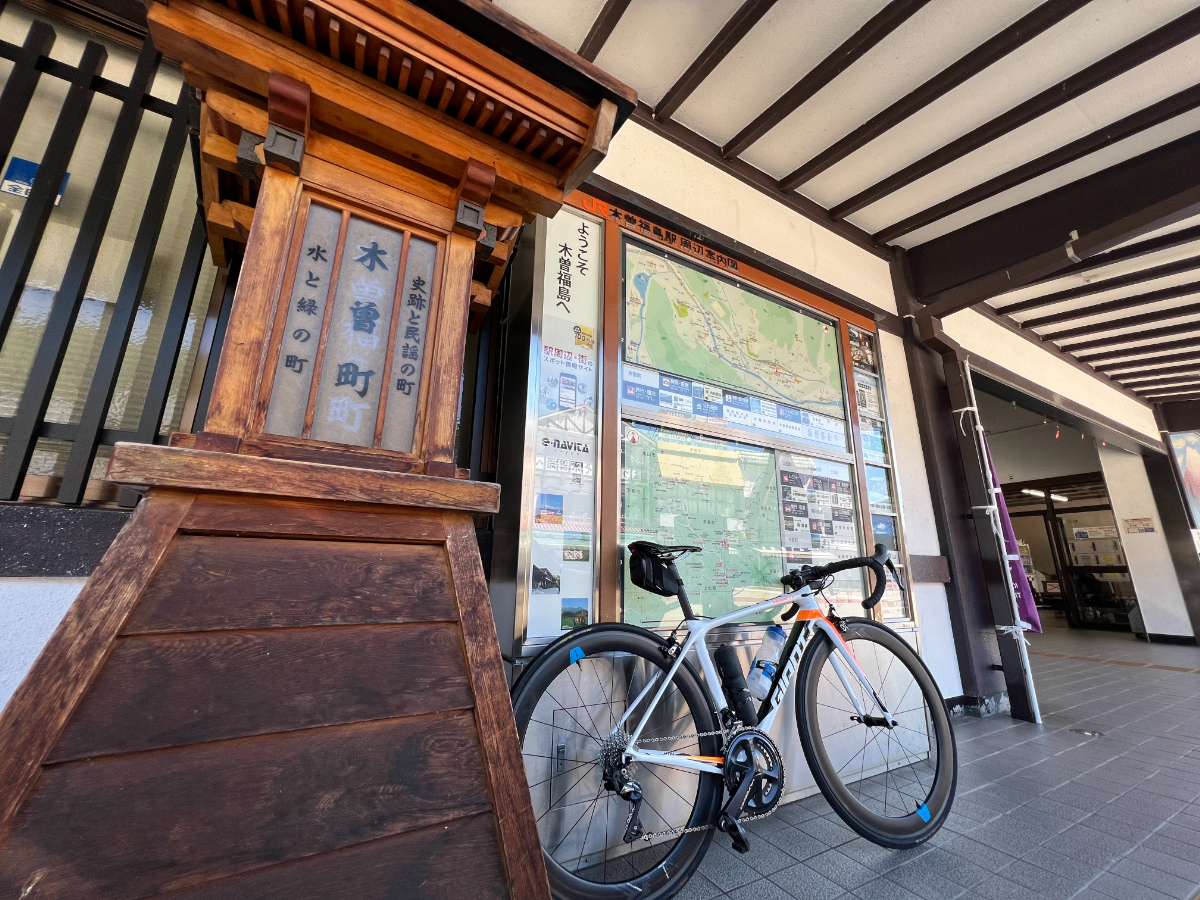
[283, 679]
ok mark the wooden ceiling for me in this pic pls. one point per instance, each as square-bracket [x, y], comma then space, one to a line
[1035, 160]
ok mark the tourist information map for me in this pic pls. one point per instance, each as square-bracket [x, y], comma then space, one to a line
[747, 508]
[730, 355]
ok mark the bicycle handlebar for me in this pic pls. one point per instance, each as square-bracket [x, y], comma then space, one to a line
[797, 578]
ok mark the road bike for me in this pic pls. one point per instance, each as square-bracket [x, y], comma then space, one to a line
[634, 760]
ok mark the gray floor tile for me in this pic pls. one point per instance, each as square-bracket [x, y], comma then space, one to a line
[760, 890]
[1119, 888]
[830, 832]
[884, 889]
[1188, 870]
[841, 869]
[698, 888]
[1039, 880]
[725, 869]
[801, 881]
[960, 869]
[926, 883]
[1163, 882]
[797, 844]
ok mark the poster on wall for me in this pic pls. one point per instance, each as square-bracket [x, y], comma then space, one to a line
[563, 551]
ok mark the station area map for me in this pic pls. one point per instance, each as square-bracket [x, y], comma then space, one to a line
[721, 496]
[684, 321]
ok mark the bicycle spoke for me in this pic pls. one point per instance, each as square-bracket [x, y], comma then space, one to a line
[577, 821]
[667, 785]
[582, 703]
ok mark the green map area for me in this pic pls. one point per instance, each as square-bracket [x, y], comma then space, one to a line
[721, 496]
[682, 320]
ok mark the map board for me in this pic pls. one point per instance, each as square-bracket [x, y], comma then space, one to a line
[744, 506]
[704, 328]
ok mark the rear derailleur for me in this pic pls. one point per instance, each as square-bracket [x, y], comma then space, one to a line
[617, 780]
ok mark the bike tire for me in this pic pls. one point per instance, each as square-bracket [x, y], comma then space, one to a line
[855, 795]
[629, 647]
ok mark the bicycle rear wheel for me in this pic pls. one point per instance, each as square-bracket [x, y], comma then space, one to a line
[567, 705]
[893, 785]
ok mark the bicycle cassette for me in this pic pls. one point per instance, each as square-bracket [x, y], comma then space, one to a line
[752, 749]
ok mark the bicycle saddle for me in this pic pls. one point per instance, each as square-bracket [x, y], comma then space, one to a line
[661, 551]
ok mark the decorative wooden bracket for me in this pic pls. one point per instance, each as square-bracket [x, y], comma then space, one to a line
[474, 192]
[289, 111]
[594, 149]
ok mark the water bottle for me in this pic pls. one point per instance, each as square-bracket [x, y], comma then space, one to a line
[762, 673]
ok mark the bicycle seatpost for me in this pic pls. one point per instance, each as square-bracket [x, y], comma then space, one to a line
[684, 603]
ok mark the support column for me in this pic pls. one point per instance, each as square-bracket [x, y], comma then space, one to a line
[985, 689]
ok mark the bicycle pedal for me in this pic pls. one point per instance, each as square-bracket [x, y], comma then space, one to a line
[737, 834]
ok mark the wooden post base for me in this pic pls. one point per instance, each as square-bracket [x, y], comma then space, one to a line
[267, 695]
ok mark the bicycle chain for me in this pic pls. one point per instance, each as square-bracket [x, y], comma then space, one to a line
[727, 735]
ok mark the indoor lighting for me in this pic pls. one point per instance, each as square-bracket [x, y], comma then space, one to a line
[1032, 492]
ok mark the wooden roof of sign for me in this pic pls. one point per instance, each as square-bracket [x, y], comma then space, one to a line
[429, 92]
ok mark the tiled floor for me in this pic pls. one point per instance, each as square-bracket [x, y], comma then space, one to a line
[1041, 812]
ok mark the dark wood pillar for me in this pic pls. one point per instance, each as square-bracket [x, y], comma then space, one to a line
[972, 618]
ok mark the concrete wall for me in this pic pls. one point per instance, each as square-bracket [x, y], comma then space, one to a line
[30, 610]
[1150, 565]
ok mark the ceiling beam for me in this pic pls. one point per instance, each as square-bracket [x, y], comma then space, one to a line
[1190, 264]
[1164, 362]
[1128, 57]
[1165, 331]
[603, 28]
[718, 48]
[1000, 45]
[854, 48]
[1163, 398]
[1098, 309]
[684, 137]
[1028, 242]
[1186, 343]
[1144, 381]
[1159, 315]
[1141, 120]
[1125, 254]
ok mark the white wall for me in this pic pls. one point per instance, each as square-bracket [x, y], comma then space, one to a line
[937, 637]
[655, 168]
[1149, 558]
[982, 337]
[30, 610]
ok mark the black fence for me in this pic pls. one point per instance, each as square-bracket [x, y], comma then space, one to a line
[31, 62]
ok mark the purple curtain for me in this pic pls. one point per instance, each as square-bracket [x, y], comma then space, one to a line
[1025, 604]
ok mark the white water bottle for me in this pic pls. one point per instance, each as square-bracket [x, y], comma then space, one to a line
[762, 673]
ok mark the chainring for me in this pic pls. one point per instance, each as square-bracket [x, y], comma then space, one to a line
[743, 749]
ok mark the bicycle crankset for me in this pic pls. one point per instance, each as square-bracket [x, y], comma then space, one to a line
[754, 778]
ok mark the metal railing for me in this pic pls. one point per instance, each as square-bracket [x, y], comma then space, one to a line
[31, 62]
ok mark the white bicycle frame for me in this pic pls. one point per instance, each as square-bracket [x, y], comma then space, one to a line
[698, 630]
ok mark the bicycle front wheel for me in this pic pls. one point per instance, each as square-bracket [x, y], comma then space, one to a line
[893, 784]
[569, 707]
